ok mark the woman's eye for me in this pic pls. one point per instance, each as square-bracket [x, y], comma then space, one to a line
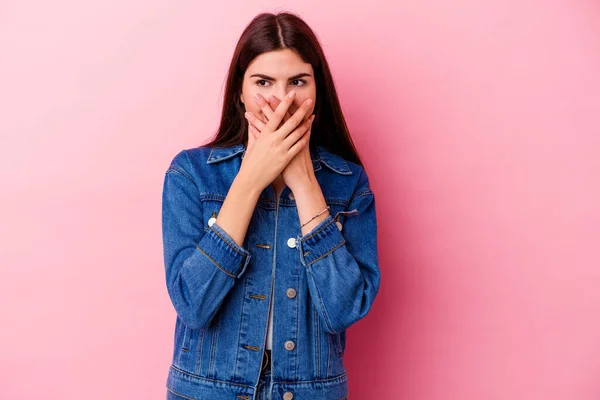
[260, 82]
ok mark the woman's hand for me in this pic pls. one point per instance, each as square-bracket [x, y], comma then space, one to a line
[300, 169]
[269, 152]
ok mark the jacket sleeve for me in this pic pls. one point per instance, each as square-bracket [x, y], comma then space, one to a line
[201, 266]
[342, 266]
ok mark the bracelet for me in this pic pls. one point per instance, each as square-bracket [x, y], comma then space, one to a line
[326, 208]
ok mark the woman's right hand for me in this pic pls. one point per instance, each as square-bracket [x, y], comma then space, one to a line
[275, 146]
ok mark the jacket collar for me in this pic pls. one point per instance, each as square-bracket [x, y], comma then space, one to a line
[321, 155]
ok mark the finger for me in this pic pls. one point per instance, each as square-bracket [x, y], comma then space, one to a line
[279, 113]
[251, 138]
[274, 102]
[265, 107]
[258, 99]
[254, 121]
[299, 145]
[262, 117]
[299, 132]
[254, 132]
[295, 119]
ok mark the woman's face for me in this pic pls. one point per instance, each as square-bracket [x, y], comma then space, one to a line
[277, 73]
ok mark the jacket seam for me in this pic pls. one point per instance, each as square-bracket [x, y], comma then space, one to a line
[237, 351]
[227, 241]
[329, 363]
[195, 376]
[179, 171]
[214, 344]
[200, 351]
[333, 378]
[320, 229]
[318, 372]
[328, 252]
[216, 263]
[363, 192]
[179, 394]
[325, 313]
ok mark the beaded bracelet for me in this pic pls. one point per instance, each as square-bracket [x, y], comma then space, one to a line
[326, 208]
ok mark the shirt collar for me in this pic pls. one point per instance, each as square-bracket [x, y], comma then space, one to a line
[320, 155]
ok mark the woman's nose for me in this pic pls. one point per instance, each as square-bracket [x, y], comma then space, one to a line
[281, 94]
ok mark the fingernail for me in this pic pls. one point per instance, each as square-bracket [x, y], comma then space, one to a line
[308, 102]
[247, 114]
[292, 94]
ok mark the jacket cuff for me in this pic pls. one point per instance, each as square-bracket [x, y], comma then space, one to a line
[224, 252]
[322, 240]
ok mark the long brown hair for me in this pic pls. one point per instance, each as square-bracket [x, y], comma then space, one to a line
[284, 30]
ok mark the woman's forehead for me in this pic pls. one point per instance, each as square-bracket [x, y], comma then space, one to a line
[279, 64]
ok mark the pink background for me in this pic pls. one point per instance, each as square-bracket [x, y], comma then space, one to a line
[478, 123]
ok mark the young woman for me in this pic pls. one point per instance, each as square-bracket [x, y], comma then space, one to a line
[269, 231]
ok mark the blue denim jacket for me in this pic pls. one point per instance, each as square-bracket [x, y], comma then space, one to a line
[321, 282]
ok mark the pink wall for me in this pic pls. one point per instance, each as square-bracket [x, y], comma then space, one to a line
[479, 125]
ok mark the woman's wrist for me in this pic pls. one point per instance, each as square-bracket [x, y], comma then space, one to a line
[310, 202]
[246, 186]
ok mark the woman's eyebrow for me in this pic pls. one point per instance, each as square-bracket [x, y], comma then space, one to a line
[272, 79]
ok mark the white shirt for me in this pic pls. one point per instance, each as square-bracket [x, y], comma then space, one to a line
[270, 328]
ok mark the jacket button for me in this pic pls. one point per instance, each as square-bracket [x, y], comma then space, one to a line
[291, 242]
[291, 196]
[291, 293]
[289, 345]
[211, 221]
[339, 225]
[288, 396]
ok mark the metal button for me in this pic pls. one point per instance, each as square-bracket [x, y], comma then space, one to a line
[339, 225]
[291, 242]
[289, 345]
[211, 221]
[291, 293]
[288, 396]
[291, 196]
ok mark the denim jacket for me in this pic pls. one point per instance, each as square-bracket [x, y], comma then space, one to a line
[321, 282]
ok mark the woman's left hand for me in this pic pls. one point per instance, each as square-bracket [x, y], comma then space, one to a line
[299, 170]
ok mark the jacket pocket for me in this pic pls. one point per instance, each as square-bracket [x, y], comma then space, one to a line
[185, 342]
[337, 345]
[185, 352]
[335, 364]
